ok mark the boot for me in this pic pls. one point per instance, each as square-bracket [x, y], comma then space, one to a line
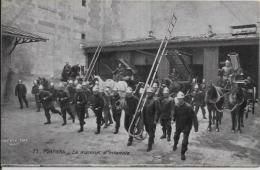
[169, 138]
[183, 157]
[130, 140]
[116, 131]
[63, 124]
[48, 122]
[81, 129]
[149, 147]
[98, 130]
[174, 148]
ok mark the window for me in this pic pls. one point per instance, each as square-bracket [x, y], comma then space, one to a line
[83, 36]
[83, 2]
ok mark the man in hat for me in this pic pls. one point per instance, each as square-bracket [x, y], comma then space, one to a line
[166, 114]
[116, 109]
[131, 104]
[20, 92]
[97, 107]
[80, 102]
[185, 117]
[198, 100]
[203, 85]
[35, 92]
[47, 103]
[64, 100]
[227, 70]
[150, 116]
[72, 91]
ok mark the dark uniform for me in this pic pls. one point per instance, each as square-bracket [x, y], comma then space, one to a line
[72, 91]
[20, 92]
[150, 117]
[116, 111]
[54, 93]
[131, 104]
[35, 92]
[97, 107]
[184, 116]
[64, 101]
[47, 103]
[198, 102]
[80, 102]
[166, 115]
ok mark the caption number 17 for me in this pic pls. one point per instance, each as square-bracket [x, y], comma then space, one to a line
[35, 151]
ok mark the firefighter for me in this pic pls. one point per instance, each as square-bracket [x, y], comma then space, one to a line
[198, 100]
[20, 92]
[72, 91]
[116, 109]
[86, 90]
[131, 104]
[150, 116]
[185, 117]
[166, 114]
[35, 92]
[97, 107]
[47, 103]
[80, 104]
[64, 100]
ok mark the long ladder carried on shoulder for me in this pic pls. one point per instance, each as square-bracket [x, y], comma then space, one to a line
[93, 61]
[149, 81]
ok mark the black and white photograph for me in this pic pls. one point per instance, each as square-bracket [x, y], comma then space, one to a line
[130, 83]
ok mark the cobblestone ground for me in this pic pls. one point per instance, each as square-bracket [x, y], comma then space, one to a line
[25, 140]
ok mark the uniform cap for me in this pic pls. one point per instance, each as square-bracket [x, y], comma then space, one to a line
[129, 90]
[35, 81]
[165, 90]
[155, 85]
[78, 86]
[84, 83]
[95, 89]
[196, 86]
[70, 81]
[149, 90]
[227, 61]
[180, 95]
[141, 91]
[40, 87]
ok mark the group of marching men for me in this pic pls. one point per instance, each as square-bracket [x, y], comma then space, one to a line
[78, 96]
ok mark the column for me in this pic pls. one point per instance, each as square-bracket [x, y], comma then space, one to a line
[210, 64]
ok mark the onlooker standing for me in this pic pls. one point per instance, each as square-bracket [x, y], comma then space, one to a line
[20, 92]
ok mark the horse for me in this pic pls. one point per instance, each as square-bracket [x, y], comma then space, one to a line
[214, 99]
[237, 102]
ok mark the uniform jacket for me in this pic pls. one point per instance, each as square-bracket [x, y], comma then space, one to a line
[35, 90]
[198, 98]
[184, 116]
[63, 98]
[20, 90]
[80, 99]
[150, 111]
[115, 98]
[46, 98]
[98, 103]
[166, 108]
[72, 92]
[53, 92]
[131, 104]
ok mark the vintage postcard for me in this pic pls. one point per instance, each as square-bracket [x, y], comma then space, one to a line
[127, 83]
